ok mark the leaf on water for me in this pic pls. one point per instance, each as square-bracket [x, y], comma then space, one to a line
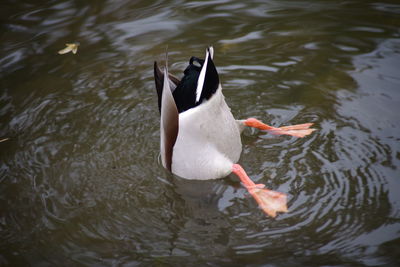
[70, 47]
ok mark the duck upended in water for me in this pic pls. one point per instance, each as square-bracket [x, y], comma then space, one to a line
[200, 138]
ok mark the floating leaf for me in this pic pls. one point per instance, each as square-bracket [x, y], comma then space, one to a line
[70, 47]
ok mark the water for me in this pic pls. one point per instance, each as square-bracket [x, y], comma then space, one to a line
[80, 181]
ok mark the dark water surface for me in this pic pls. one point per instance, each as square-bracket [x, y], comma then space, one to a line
[80, 182]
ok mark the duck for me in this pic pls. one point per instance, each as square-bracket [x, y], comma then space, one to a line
[199, 137]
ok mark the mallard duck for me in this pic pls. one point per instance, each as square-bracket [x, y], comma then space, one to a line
[200, 138]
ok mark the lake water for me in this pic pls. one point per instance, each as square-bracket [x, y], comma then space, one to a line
[80, 179]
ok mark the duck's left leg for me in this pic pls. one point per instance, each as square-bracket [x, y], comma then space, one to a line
[269, 201]
[299, 130]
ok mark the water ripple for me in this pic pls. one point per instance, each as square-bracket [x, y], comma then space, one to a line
[79, 173]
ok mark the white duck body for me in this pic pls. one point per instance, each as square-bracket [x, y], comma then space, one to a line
[200, 138]
[208, 141]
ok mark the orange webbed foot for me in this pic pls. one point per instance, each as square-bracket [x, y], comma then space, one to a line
[298, 130]
[269, 201]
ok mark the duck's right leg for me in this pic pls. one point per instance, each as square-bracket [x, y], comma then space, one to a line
[299, 130]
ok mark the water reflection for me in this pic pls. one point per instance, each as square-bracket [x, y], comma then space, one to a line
[80, 180]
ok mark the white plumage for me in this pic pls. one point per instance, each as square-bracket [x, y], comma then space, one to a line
[208, 142]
